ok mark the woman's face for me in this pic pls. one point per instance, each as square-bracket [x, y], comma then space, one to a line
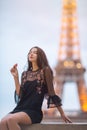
[33, 55]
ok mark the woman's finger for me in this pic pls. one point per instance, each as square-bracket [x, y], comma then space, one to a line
[15, 66]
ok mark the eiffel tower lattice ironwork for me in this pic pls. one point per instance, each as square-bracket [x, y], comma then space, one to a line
[69, 67]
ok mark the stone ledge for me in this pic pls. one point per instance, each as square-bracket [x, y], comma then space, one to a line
[45, 126]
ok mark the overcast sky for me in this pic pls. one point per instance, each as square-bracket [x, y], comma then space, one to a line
[27, 23]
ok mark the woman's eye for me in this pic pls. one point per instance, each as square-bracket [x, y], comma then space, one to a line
[34, 52]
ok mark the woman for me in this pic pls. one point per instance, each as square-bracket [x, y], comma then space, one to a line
[36, 82]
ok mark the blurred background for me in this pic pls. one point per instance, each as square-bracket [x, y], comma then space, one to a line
[26, 23]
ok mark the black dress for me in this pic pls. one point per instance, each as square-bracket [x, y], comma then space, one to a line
[34, 86]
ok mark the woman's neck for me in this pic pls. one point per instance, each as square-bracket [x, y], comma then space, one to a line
[34, 67]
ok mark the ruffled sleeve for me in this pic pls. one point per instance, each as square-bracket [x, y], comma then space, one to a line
[16, 97]
[53, 100]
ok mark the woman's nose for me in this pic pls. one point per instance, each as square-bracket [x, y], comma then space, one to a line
[31, 53]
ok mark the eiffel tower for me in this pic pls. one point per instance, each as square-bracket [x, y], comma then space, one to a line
[69, 67]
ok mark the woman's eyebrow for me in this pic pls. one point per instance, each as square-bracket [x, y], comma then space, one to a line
[33, 51]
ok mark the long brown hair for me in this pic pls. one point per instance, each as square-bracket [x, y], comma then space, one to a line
[42, 61]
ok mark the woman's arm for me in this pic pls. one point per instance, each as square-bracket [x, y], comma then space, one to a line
[64, 117]
[14, 72]
[54, 100]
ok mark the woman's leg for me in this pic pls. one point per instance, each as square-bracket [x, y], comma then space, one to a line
[3, 123]
[13, 121]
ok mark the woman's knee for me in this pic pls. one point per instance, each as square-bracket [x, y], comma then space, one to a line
[3, 121]
[10, 120]
[6, 120]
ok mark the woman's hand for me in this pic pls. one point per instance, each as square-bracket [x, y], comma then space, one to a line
[14, 71]
[66, 119]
